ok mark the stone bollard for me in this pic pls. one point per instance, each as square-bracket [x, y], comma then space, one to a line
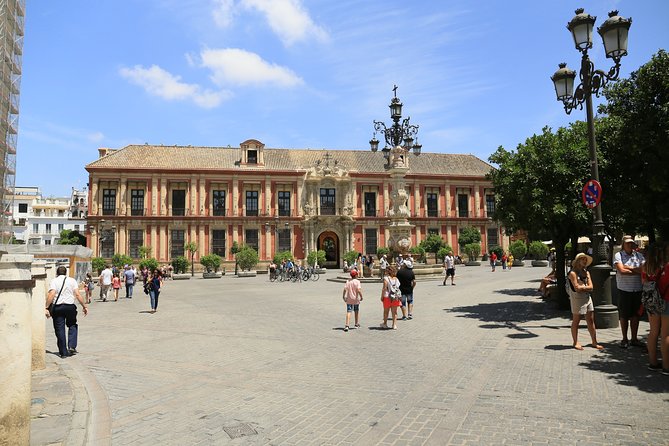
[38, 271]
[16, 286]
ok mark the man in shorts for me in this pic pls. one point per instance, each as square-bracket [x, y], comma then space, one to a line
[628, 264]
[449, 268]
[407, 280]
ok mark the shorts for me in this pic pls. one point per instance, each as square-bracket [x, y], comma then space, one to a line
[629, 303]
[407, 298]
[352, 307]
[581, 305]
[450, 272]
[387, 303]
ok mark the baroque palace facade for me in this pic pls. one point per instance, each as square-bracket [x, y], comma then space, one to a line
[296, 200]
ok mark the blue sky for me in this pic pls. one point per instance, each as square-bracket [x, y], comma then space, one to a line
[296, 73]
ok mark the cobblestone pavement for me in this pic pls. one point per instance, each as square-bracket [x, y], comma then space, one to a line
[238, 361]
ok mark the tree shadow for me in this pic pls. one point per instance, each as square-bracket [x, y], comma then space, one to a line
[510, 312]
[528, 292]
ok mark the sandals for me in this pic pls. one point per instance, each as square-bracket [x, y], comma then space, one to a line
[636, 343]
[624, 343]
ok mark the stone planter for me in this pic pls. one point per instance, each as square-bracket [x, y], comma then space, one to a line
[211, 275]
[543, 263]
[183, 276]
[473, 263]
[247, 273]
[518, 263]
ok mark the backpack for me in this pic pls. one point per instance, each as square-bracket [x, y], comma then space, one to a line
[651, 299]
[394, 292]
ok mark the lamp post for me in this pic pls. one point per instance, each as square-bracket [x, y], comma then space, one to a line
[400, 139]
[614, 33]
[105, 233]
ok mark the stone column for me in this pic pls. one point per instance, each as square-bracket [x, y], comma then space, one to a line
[122, 198]
[203, 195]
[416, 199]
[38, 272]
[155, 201]
[477, 202]
[298, 204]
[16, 286]
[235, 196]
[448, 201]
[268, 198]
[94, 199]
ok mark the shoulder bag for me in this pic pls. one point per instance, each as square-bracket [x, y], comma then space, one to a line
[52, 307]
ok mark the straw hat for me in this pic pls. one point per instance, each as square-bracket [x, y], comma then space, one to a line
[579, 256]
[628, 239]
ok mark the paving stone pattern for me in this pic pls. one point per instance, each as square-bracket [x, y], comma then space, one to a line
[237, 361]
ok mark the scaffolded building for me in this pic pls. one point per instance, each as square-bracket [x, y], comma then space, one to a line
[12, 13]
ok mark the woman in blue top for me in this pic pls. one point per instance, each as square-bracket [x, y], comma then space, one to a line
[155, 281]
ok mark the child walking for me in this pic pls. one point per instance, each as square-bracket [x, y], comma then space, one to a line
[352, 295]
[116, 285]
[88, 287]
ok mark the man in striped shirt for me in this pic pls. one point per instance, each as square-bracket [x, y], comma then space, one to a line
[628, 264]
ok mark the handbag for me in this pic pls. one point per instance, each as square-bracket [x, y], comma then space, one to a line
[651, 299]
[52, 307]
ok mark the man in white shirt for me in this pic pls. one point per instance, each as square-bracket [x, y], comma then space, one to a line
[63, 291]
[105, 282]
[449, 268]
[628, 264]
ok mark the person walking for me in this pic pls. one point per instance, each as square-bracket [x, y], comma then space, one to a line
[105, 282]
[390, 296]
[579, 288]
[88, 287]
[407, 280]
[116, 286]
[449, 268]
[650, 275]
[129, 277]
[352, 295]
[663, 288]
[628, 263]
[383, 264]
[493, 260]
[509, 262]
[63, 291]
[504, 259]
[155, 282]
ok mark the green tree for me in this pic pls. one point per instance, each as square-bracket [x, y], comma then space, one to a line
[211, 262]
[418, 253]
[518, 249]
[180, 264]
[538, 250]
[120, 260]
[234, 249]
[443, 251]
[144, 252]
[468, 235]
[497, 250]
[351, 256]
[382, 251]
[634, 139]
[316, 256]
[150, 263]
[433, 243]
[98, 264]
[538, 188]
[191, 248]
[247, 258]
[472, 250]
[281, 256]
[70, 237]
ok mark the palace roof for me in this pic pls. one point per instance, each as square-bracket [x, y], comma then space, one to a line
[165, 158]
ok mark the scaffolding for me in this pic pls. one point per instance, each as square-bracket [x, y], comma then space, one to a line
[12, 14]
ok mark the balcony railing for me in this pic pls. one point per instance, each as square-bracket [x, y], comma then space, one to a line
[108, 211]
[138, 212]
[328, 209]
[370, 212]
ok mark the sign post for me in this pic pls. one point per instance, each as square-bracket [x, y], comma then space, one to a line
[592, 194]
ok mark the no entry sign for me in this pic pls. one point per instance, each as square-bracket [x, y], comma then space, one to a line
[592, 194]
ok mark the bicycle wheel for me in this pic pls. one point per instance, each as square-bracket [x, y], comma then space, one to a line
[315, 275]
[305, 275]
[282, 277]
[272, 277]
[293, 277]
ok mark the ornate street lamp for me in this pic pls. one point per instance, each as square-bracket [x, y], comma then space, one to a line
[614, 33]
[400, 139]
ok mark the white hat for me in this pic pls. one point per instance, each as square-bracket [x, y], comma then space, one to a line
[579, 256]
[408, 264]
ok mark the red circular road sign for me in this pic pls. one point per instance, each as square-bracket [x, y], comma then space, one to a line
[592, 194]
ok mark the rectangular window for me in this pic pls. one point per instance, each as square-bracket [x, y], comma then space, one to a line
[328, 201]
[23, 208]
[35, 228]
[492, 237]
[463, 205]
[490, 205]
[107, 244]
[251, 203]
[135, 240]
[431, 231]
[48, 228]
[47, 242]
[284, 240]
[76, 227]
[432, 204]
[218, 203]
[137, 202]
[370, 205]
[179, 202]
[218, 242]
[108, 201]
[284, 204]
[252, 156]
[371, 243]
[252, 238]
[177, 243]
[61, 226]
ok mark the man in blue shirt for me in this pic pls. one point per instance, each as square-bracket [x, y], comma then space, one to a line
[130, 277]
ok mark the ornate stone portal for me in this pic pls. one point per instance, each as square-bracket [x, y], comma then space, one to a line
[399, 227]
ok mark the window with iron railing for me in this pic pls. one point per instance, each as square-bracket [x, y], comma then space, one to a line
[137, 202]
[178, 202]
[463, 205]
[490, 205]
[432, 204]
[371, 241]
[328, 201]
[284, 203]
[218, 203]
[108, 201]
[251, 238]
[107, 244]
[370, 204]
[135, 240]
[493, 239]
[218, 242]
[284, 240]
[251, 203]
[177, 243]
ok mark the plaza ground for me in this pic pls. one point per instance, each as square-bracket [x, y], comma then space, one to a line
[244, 361]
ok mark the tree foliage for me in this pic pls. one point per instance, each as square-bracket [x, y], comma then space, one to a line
[316, 256]
[180, 264]
[351, 256]
[538, 250]
[247, 257]
[98, 264]
[120, 260]
[70, 237]
[469, 235]
[281, 256]
[518, 249]
[433, 243]
[211, 262]
[150, 263]
[144, 252]
[634, 141]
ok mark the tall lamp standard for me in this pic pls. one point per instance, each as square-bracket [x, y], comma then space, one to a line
[614, 33]
[400, 138]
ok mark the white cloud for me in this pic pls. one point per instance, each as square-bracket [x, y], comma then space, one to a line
[223, 12]
[163, 84]
[233, 66]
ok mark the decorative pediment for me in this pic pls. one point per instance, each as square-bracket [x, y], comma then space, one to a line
[252, 153]
[328, 167]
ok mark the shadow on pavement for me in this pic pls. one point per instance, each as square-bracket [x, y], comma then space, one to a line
[509, 312]
[531, 292]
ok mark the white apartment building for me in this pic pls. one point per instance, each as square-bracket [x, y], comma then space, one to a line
[39, 220]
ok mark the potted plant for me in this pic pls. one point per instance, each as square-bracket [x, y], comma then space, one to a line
[472, 250]
[247, 258]
[180, 265]
[538, 251]
[518, 249]
[211, 264]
